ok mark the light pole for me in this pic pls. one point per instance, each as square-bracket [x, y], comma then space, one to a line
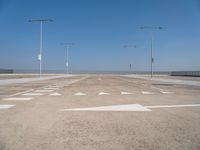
[130, 46]
[67, 54]
[41, 25]
[151, 28]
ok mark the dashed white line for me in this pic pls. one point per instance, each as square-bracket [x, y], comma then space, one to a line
[18, 99]
[33, 94]
[45, 91]
[125, 93]
[163, 92]
[79, 94]
[21, 92]
[146, 92]
[103, 93]
[6, 106]
[55, 94]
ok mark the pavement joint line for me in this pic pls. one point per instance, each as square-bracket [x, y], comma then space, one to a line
[51, 88]
[6, 106]
[18, 99]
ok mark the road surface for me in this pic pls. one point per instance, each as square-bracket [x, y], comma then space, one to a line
[99, 112]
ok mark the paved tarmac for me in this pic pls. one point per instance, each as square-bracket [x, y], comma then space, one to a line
[99, 112]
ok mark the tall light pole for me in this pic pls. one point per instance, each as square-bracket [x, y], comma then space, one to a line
[130, 46]
[151, 28]
[67, 54]
[41, 26]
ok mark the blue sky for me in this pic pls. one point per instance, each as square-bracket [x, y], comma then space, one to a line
[100, 28]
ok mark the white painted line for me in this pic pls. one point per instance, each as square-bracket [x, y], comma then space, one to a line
[6, 106]
[21, 92]
[55, 94]
[163, 92]
[173, 106]
[18, 99]
[125, 93]
[157, 88]
[45, 91]
[99, 79]
[146, 92]
[33, 94]
[103, 93]
[129, 107]
[79, 94]
[51, 88]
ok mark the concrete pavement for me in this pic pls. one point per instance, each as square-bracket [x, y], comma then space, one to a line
[100, 112]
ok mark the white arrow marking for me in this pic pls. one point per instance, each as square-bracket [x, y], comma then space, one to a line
[18, 99]
[173, 106]
[6, 106]
[79, 94]
[129, 107]
[125, 93]
[55, 94]
[145, 92]
[103, 93]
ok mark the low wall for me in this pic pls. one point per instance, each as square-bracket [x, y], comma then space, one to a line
[186, 73]
[6, 71]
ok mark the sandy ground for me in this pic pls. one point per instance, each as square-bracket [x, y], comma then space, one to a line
[39, 124]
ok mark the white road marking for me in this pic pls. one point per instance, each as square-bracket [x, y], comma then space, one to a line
[173, 106]
[18, 99]
[45, 91]
[157, 88]
[51, 88]
[125, 93]
[103, 93]
[6, 106]
[79, 94]
[129, 107]
[33, 94]
[21, 92]
[146, 92]
[99, 79]
[55, 94]
[166, 92]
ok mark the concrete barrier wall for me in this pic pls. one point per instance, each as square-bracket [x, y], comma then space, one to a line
[186, 73]
[6, 71]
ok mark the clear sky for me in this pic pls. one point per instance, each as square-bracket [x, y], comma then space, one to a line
[100, 28]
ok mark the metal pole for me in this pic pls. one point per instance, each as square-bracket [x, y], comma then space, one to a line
[67, 63]
[40, 49]
[152, 56]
